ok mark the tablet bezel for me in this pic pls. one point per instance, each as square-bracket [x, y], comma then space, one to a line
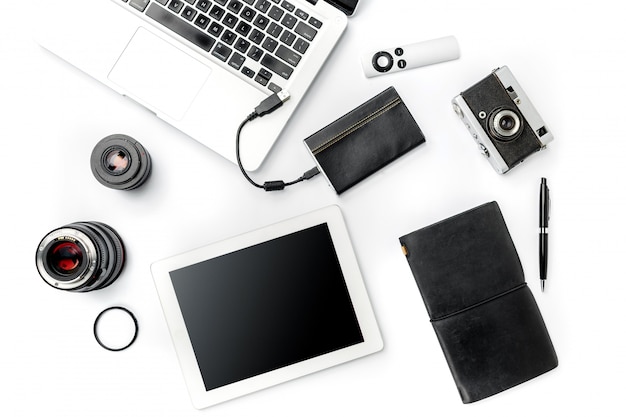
[372, 340]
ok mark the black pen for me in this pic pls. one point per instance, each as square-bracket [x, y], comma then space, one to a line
[544, 216]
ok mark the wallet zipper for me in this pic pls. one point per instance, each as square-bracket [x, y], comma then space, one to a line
[330, 142]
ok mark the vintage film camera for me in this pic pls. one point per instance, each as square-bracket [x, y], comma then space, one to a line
[502, 120]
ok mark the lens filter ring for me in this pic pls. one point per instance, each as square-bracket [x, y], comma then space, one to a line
[109, 326]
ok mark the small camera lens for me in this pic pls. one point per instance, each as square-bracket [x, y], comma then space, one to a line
[120, 162]
[80, 257]
[505, 124]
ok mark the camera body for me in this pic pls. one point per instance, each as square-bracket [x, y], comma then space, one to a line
[502, 120]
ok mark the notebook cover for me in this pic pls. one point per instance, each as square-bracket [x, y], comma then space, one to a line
[484, 315]
[365, 140]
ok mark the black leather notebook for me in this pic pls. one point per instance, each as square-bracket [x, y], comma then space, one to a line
[365, 140]
[484, 315]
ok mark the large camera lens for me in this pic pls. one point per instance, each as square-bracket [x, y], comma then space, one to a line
[81, 257]
[505, 124]
[120, 162]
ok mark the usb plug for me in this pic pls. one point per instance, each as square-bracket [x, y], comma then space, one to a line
[271, 103]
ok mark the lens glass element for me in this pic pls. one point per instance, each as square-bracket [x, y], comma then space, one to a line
[116, 161]
[65, 257]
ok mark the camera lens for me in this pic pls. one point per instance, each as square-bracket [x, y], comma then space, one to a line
[80, 257]
[505, 124]
[120, 162]
[65, 257]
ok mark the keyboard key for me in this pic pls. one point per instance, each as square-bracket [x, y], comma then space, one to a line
[276, 13]
[204, 5]
[306, 31]
[288, 6]
[216, 29]
[255, 53]
[242, 45]
[161, 2]
[202, 21]
[287, 38]
[288, 55]
[229, 37]
[243, 28]
[265, 74]
[277, 66]
[289, 21]
[261, 22]
[139, 4]
[249, 1]
[175, 6]
[191, 2]
[230, 20]
[256, 36]
[302, 14]
[274, 30]
[270, 44]
[235, 6]
[179, 26]
[301, 46]
[236, 61]
[275, 88]
[247, 72]
[217, 12]
[189, 13]
[248, 14]
[221, 51]
[221, 2]
[315, 22]
[263, 5]
[261, 80]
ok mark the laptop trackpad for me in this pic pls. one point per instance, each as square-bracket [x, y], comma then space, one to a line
[159, 75]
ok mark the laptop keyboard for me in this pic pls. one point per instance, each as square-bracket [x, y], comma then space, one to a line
[265, 40]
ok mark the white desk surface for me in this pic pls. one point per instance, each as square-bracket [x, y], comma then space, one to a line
[568, 58]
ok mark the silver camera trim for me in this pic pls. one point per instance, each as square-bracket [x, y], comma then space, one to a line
[526, 108]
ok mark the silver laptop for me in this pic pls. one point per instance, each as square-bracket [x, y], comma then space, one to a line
[201, 65]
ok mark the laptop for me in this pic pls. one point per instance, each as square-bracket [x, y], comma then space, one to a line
[201, 65]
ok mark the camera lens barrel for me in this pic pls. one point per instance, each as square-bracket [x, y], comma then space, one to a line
[80, 257]
[120, 162]
[505, 124]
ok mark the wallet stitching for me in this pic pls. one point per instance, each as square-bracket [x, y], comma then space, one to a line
[463, 310]
[372, 116]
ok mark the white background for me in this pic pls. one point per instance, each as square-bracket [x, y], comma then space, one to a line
[568, 57]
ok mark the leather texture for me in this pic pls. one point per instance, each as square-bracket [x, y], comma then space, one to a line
[484, 315]
[365, 140]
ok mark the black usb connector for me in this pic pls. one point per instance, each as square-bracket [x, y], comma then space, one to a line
[267, 106]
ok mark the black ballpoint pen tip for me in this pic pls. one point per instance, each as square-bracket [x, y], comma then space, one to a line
[543, 285]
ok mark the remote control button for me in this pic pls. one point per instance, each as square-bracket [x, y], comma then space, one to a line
[382, 61]
[402, 64]
[399, 51]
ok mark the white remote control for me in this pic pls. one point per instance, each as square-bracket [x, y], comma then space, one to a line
[416, 55]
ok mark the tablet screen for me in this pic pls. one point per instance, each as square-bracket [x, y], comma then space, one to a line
[266, 306]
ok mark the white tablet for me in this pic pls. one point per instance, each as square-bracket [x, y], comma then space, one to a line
[266, 307]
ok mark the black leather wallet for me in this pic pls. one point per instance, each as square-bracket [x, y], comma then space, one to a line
[485, 317]
[366, 139]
